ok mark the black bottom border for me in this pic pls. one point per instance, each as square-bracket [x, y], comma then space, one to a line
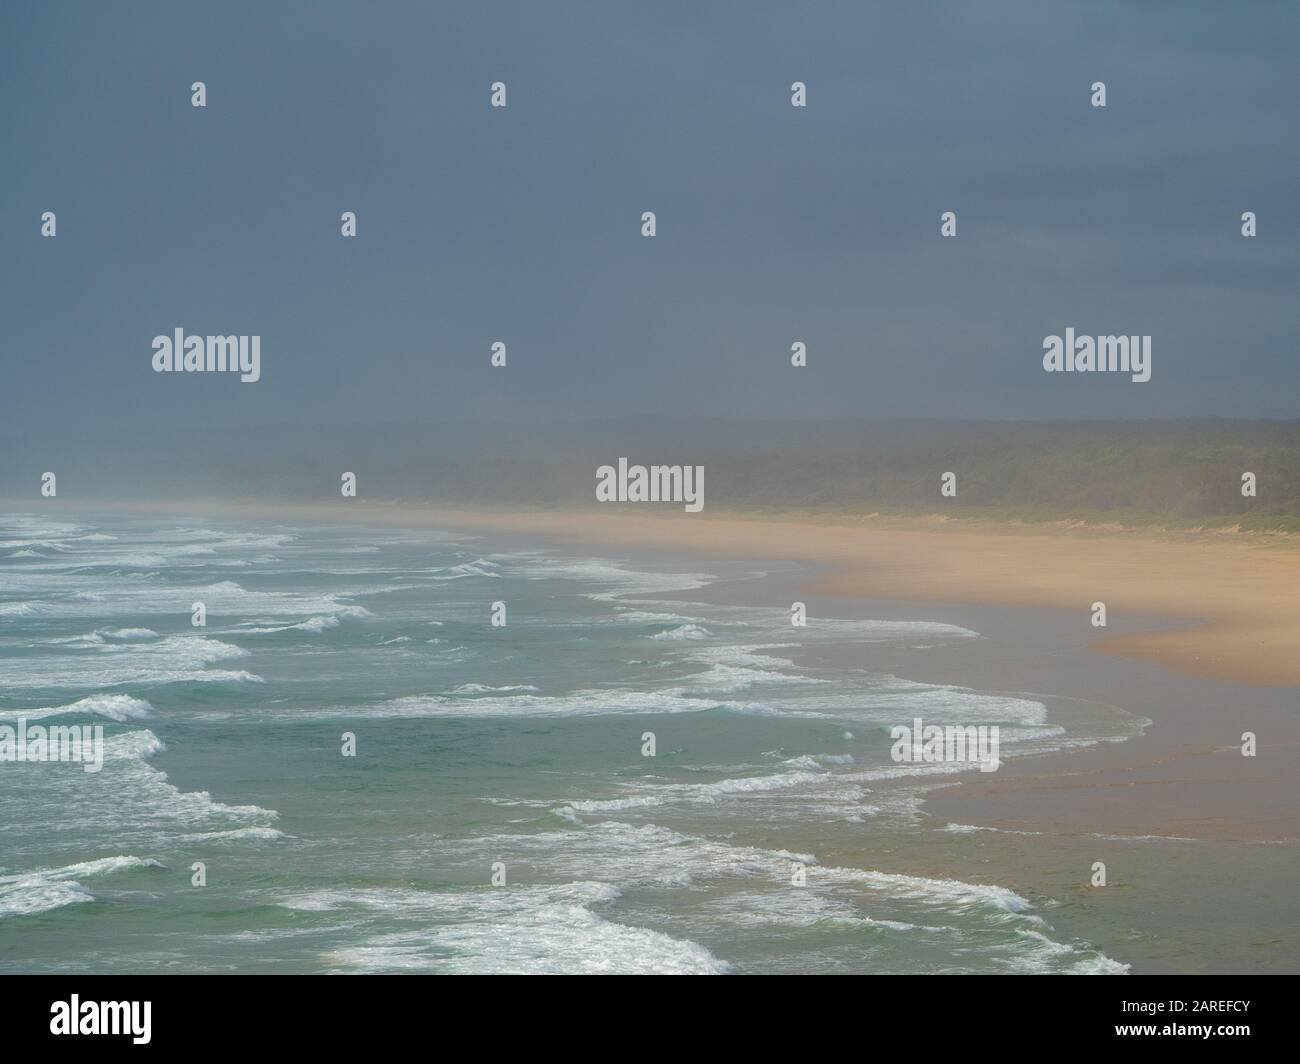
[347, 1013]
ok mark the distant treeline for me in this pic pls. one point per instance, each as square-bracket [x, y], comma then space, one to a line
[1181, 471]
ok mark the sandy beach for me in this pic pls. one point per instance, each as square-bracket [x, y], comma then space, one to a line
[1141, 767]
[1205, 627]
[1231, 601]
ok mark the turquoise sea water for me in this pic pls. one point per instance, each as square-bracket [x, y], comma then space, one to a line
[516, 748]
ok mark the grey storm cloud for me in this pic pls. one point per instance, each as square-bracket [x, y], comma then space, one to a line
[522, 225]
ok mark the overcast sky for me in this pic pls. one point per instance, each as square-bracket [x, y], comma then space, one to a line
[775, 224]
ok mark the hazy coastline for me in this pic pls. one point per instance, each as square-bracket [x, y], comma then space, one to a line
[1229, 602]
[1203, 639]
[1146, 774]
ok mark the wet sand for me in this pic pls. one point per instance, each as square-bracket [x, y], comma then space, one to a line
[1231, 600]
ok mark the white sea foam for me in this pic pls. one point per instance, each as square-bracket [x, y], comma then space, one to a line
[683, 631]
[153, 791]
[99, 636]
[736, 668]
[480, 567]
[525, 930]
[44, 889]
[88, 554]
[801, 908]
[952, 894]
[996, 919]
[102, 595]
[570, 939]
[630, 855]
[258, 832]
[488, 689]
[172, 659]
[767, 624]
[24, 609]
[626, 613]
[807, 778]
[609, 805]
[130, 799]
[114, 707]
[311, 624]
[503, 704]
[127, 633]
[618, 578]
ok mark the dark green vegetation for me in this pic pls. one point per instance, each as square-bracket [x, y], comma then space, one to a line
[1178, 474]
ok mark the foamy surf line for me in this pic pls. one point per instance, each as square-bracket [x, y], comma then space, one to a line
[544, 929]
[114, 707]
[171, 659]
[45, 889]
[627, 857]
[676, 658]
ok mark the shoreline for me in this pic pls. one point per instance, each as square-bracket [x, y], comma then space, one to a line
[1195, 837]
[1181, 776]
[1184, 777]
[1226, 605]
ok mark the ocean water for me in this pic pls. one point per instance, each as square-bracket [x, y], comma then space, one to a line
[770, 832]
